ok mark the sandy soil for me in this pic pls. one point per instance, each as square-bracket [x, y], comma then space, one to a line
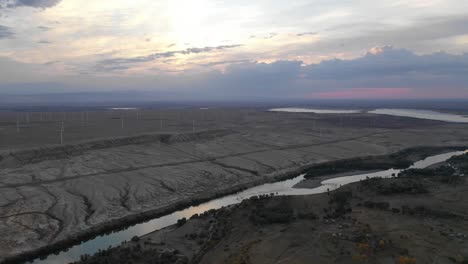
[51, 193]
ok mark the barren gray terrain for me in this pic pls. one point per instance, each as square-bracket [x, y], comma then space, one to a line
[51, 193]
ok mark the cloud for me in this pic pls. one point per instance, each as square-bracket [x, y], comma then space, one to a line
[271, 35]
[426, 34]
[43, 42]
[214, 63]
[306, 34]
[5, 32]
[51, 62]
[44, 28]
[30, 3]
[384, 72]
[362, 93]
[120, 63]
[390, 62]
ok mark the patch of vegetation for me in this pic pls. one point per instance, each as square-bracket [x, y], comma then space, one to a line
[459, 259]
[181, 222]
[340, 203]
[425, 211]
[394, 186]
[460, 163]
[440, 171]
[134, 254]
[267, 212]
[446, 174]
[377, 205]
[243, 256]
[362, 164]
[399, 160]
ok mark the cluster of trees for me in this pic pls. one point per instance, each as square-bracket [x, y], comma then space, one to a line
[358, 164]
[134, 253]
[399, 160]
[339, 204]
[266, 212]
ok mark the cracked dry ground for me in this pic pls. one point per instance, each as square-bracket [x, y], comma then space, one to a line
[52, 199]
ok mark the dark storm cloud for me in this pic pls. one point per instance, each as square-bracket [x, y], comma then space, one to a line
[120, 63]
[5, 32]
[30, 3]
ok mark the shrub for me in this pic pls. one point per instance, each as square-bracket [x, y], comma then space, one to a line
[181, 222]
[406, 260]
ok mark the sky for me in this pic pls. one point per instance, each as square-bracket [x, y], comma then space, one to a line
[233, 50]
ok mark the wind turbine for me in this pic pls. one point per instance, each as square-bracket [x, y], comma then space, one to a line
[61, 134]
[17, 124]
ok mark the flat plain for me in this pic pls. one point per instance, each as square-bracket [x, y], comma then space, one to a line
[117, 164]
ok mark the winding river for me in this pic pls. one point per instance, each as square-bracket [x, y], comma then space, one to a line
[281, 188]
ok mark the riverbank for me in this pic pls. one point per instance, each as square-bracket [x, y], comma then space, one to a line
[416, 218]
[410, 155]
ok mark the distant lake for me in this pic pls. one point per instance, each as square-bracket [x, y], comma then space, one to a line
[422, 114]
[123, 108]
[316, 111]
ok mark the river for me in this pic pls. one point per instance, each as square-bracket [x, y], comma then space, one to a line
[280, 188]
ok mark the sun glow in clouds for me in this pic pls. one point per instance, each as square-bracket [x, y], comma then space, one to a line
[186, 21]
[203, 23]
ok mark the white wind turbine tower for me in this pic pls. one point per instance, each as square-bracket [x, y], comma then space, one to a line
[61, 133]
[17, 124]
[160, 122]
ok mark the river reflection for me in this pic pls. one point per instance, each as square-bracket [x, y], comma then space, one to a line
[279, 188]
